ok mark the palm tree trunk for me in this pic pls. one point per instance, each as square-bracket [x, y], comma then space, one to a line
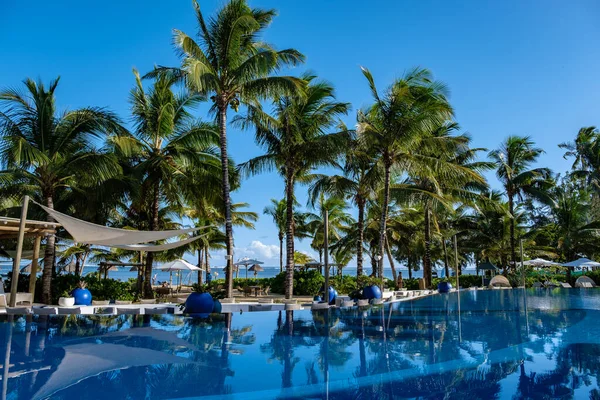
[446, 266]
[384, 209]
[226, 197]
[361, 235]
[409, 265]
[513, 251]
[206, 260]
[48, 258]
[200, 266]
[280, 253]
[148, 293]
[289, 239]
[83, 261]
[427, 255]
[78, 264]
[390, 258]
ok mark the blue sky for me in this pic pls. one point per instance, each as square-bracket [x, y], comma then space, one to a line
[513, 67]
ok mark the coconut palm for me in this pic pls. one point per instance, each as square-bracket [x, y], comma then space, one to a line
[276, 210]
[513, 161]
[455, 179]
[171, 152]
[45, 153]
[340, 222]
[295, 141]
[586, 166]
[357, 182]
[393, 126]
[231, 65]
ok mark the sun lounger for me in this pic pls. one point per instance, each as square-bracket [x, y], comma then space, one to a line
[151, 301]
[363, 302]
[565, 285]
[538, 285]
[3, 301]
[45, 310]
[21, 298]
[347, 303]
[586, 285]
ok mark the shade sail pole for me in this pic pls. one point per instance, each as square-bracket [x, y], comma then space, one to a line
[34, 264]
[17, 260]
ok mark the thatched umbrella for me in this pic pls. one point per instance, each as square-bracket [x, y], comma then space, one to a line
[256, 269]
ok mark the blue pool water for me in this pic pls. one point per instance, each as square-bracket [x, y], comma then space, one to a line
[503, 344]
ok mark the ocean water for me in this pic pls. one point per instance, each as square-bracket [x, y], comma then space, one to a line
[494, 344]
[124, 273]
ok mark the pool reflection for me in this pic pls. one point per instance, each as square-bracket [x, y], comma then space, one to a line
[492, 344]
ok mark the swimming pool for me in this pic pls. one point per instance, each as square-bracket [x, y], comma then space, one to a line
[501, 344]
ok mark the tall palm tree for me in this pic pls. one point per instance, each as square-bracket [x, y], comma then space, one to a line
[586, 166]
[454, 179]
[276, 210]
[394, 124]
[357, 182]
[513, 168]
[340, 222]
[44, 153]
[170, 150]
[295, 141]
[230, 64]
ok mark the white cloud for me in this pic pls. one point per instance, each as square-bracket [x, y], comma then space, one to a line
[269, 253]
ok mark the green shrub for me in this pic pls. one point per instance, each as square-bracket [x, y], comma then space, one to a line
[306, 283]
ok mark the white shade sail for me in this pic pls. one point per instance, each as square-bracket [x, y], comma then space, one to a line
[86, 232]
[178, 265]
[155, 247]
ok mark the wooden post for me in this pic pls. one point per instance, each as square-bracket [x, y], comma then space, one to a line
[34, 265]
[17, 260]
[326, 259]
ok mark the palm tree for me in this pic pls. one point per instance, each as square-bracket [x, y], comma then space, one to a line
[392, 127]
[44, 153]
[277, 211]
[513, 161]
[231, 65]
[454, 179]
[586, 166]
[295, 141]
[357, 182]
[340, 222]
[171, 151]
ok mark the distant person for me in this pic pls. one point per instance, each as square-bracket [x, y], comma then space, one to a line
[154, 279]
[1, 286]
[400, 281]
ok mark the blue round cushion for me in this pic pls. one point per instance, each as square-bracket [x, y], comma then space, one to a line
[199, 303]
[83, 297]
[217, 308]
[372, 292]
[444, 287]
[332, 295]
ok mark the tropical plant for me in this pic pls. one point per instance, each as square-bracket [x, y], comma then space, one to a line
[231, 65]
[455, 179]
[45, 154]
[295, 142]
[172, 153]
[394, 125]
[513, 168]
[357, 182]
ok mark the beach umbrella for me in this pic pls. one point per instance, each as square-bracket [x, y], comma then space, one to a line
[256, 269]
[246, 262]
[581, 263]
[177, 265]
[540, 262]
